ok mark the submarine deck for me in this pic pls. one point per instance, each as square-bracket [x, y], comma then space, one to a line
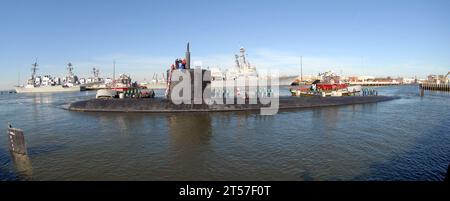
[161, 105]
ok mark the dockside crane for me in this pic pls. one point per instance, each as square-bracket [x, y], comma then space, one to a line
[446, 78]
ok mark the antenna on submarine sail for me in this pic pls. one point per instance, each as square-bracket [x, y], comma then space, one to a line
[188, 57]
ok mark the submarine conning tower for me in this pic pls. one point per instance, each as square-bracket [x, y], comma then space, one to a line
[200, 80]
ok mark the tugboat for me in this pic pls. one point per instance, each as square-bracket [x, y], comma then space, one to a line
[329, 85]
[123, 87]
[47, 84]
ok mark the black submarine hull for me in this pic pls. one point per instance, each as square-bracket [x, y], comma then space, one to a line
[161, 105]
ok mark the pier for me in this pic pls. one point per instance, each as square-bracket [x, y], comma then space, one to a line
[8, 92]
[435, 87]
[94, 86]
[375, 83]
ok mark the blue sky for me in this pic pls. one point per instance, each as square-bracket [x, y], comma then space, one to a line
[396, 38]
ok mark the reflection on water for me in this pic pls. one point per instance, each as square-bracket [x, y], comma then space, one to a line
[189, 130]
[404, 139]
[42, 98]
[22, 165]
[326, 119]
[189, 142]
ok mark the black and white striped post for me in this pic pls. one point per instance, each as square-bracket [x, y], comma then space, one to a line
[16, 140]
[19, 153]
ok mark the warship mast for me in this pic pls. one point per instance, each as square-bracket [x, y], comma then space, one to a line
[33, 73]
[237, 61]
[244, 62]
[95, 72]
[70, 69]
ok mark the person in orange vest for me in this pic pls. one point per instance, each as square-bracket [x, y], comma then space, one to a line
[184, 63]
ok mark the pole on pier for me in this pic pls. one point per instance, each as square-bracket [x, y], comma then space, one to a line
[301, 68]
[114, 71]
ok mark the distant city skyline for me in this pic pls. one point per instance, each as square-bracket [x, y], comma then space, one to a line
[376, 38]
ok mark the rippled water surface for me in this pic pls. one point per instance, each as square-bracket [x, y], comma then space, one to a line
[404, 139]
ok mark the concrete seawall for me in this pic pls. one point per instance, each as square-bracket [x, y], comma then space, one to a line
[159, 105]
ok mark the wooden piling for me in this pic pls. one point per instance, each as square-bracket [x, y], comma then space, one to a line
[421, 90]
[19, 154]
[16, 141]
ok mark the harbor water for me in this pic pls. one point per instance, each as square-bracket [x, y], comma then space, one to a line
[403, 139]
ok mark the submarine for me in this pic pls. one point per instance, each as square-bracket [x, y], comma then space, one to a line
[194, 88]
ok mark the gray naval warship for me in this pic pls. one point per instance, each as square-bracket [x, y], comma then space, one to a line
[234, 103]
[48, 84]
